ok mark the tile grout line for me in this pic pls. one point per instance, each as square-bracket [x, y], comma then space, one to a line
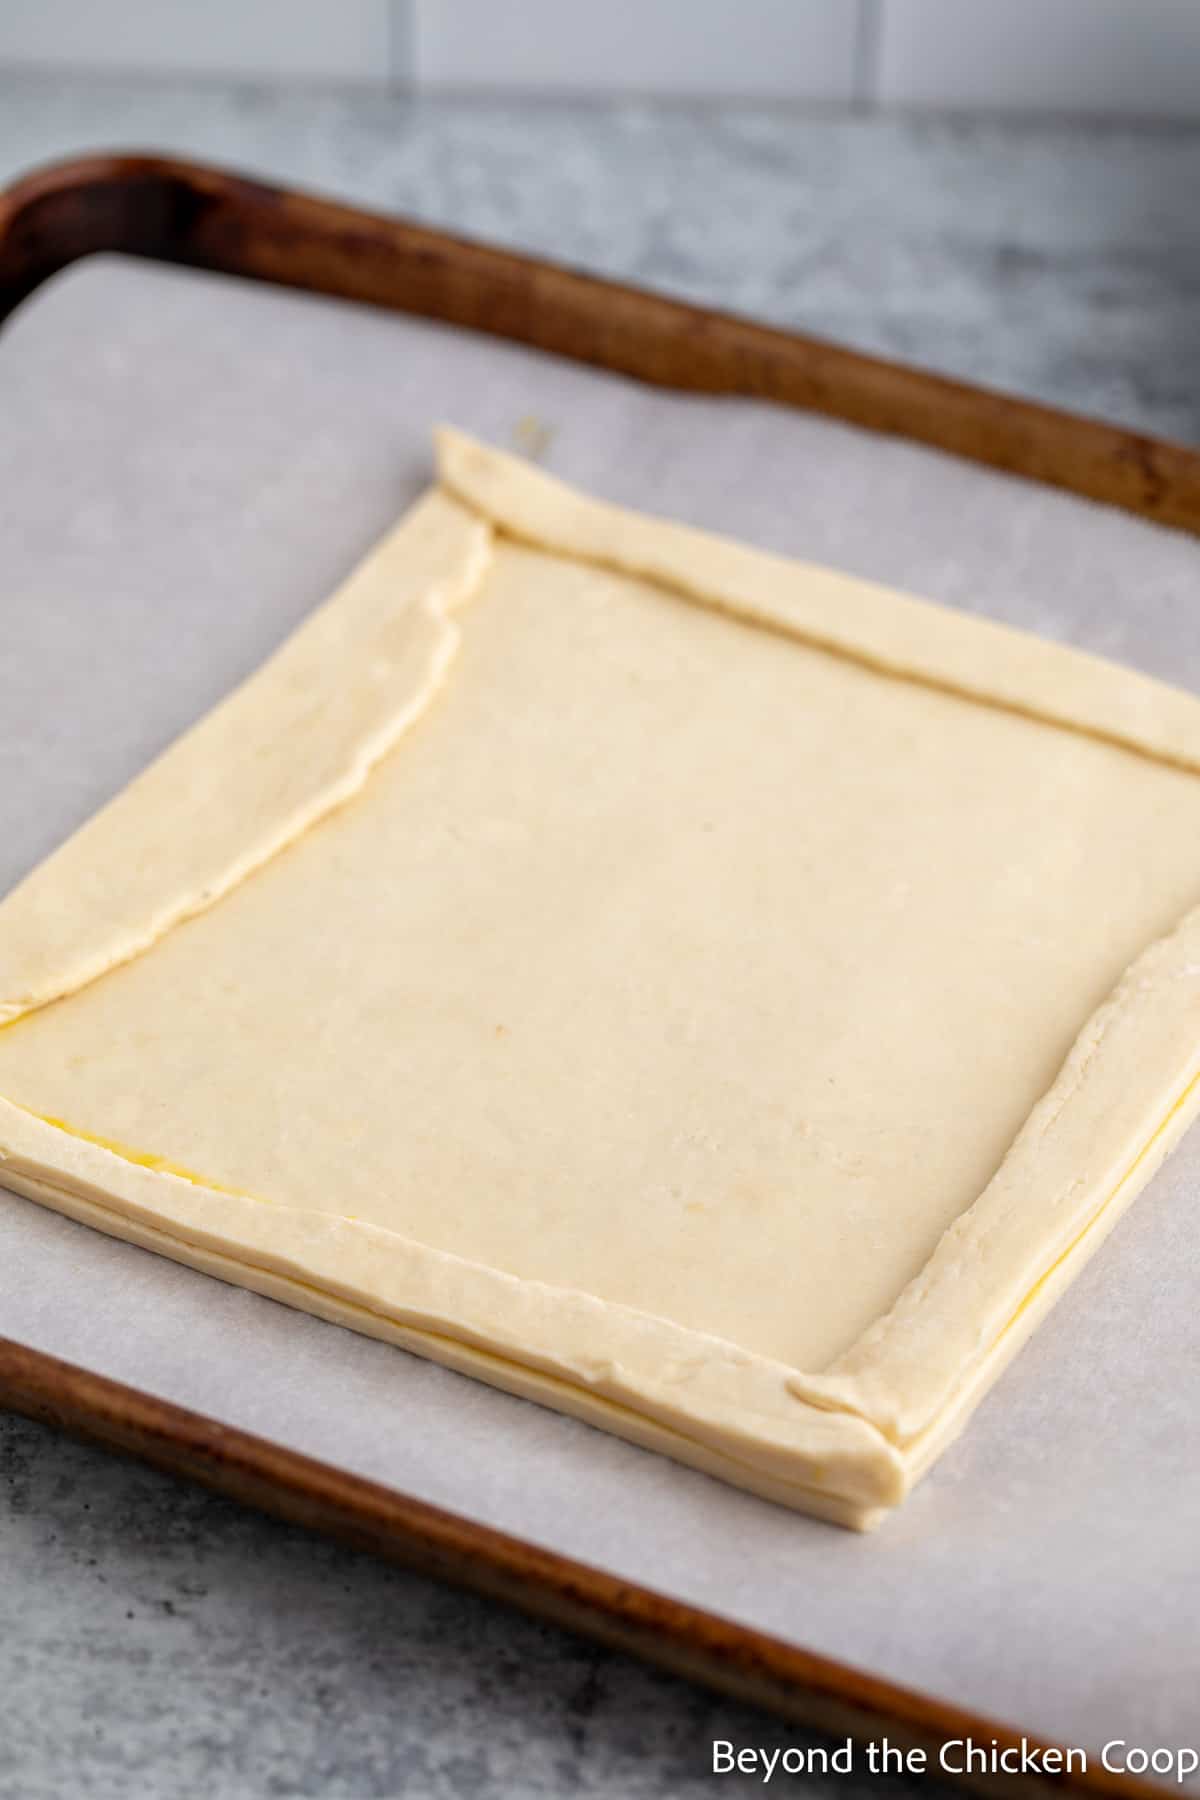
[868, 44]
[401, 44]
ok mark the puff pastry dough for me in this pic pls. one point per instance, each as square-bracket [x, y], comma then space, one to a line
[719, 998]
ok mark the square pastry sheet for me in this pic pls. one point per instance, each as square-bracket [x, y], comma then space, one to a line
[1017, 935]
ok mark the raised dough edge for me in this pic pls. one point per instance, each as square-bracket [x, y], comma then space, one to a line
[844, 1443]
[689, 1383]
[465, 1359]
[1092, 1143]
[296, 739]
[1084, 1154]
[893, 633]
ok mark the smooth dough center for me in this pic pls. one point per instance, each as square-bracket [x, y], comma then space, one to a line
[664, 959]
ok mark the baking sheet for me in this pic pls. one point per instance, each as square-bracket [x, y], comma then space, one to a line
[187, 466]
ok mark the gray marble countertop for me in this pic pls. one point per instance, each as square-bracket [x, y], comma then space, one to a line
[157, 1641]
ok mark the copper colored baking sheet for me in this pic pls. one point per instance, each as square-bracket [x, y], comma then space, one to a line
[187, 466]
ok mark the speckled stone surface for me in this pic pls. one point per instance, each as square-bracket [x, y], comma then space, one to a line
[1057, 260]
[157, 1642]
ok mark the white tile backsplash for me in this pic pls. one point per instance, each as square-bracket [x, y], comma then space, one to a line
[1134, 58]
[332, 40]
[802, 49]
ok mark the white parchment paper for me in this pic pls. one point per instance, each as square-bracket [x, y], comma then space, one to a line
[187, 466]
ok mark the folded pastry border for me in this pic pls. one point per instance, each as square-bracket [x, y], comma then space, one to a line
[845, 1442]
